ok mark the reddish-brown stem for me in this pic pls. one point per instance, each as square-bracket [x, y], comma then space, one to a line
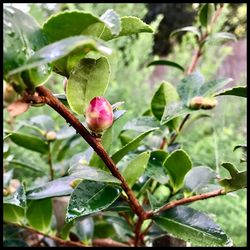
[138, 232]
[107, 242]
[185, 200]
[53, 102]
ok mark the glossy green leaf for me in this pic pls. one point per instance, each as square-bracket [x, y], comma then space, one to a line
[136, 168]
[22, 164]
[189, 87]
[236, 91]
[166, 63]
[220, 37]
[244, 152]
[132, 145]
[193, 226]
[92, 173]
[77, 45]
[192, 29]
[89, 78]
[91, 197]
[112, 21]
[208, 88]
[39, 214]
[14, 243]
[164, 95]
[237, 181]
[22, 36]
[106, 141]
[65, 231]
[198, 178]
[141, 124]
[155, 167]
[59, 187]
[29, 142]
[206, 13]
[177, 164]
[68, 23]
[14, 206]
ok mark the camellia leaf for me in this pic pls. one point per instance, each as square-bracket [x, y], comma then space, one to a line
[89, 78]
[135, 168]
[29, 142]
[164, 95]
[192, 29]
[112, 21]
[155, 167]
[238, 180]
[67, 24]
[59, 187]
[79, 45]
[91, 197]
[132, 145]
[189, 87]
[14, 206]
[220, 37]
[177, 164]
[22, 37]
[206, 13]
[236, 91]
[198, 178]
[39, 214]
[244, 153]
[193, 226]
[166, 63]
[210, 87]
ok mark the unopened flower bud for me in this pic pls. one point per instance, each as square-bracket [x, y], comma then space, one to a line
[9, 94]
[50, 135]
[209, 103]
[196, 102]
[99, 114]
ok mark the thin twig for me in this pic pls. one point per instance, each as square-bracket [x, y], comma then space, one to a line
[182, 201]
[138, 225]
[107, 242]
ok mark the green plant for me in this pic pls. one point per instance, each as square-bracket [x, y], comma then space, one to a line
[131, 194]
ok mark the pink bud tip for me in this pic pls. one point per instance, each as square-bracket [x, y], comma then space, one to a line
[99, 114]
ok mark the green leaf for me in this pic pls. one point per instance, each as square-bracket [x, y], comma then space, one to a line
[177, 164]
[39, 214]
[238, 180]
[112, 21]
[132, 145]
[155, 168]
[73, 46]
[25, 165]
[89, 78]
[198, 178]
[135, 168]
[59, 187]
[92, 173]
[7, 176]
[22, 36]
[189, 87]
[29, 142]
[206, 13]
[84, 229]
[167, 63]
[44, 122]
[208, 88]
[65, 231]
[68, 23]
[244, 153]
[91, 197]
[192, 29]
[193, 226]
[14, 206]
[236, 91]
[220, 37]
[164, 95]
[106, 141]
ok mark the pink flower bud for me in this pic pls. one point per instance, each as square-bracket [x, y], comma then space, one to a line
[99, 114]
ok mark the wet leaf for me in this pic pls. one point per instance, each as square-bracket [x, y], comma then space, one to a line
[236, 91]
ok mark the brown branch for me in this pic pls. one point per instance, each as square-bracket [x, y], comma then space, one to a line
[138, 234]
[176, 203]
[53, 102]
[55, 238]
[107, 242]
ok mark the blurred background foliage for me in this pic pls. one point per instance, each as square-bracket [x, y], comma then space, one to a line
[209, 140]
